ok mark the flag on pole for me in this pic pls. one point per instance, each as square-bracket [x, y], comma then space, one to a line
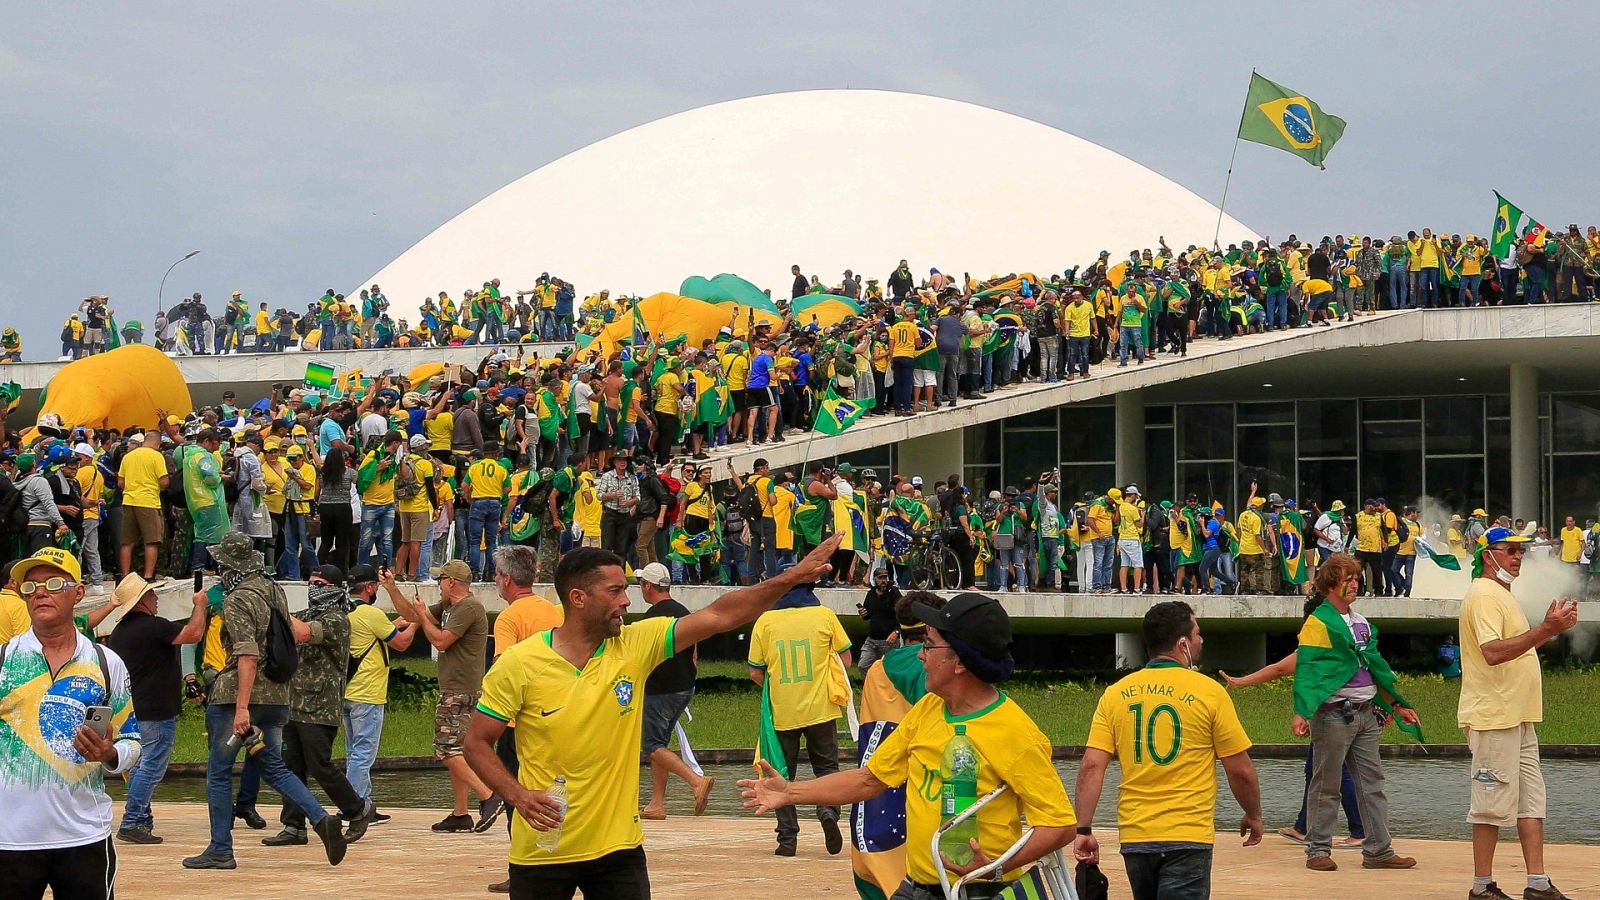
[1279, 117]
[1443, 560]
[319, 375]
[1511, 223]
[835, 413]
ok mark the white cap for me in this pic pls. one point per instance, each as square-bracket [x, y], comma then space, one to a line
[1131, 489]
[419, 440]
[83, 450]
[916, 481]
[656, 574]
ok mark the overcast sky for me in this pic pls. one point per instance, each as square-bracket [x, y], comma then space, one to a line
[302, 146]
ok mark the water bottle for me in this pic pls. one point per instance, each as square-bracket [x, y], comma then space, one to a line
[547, 840]
[959, 772]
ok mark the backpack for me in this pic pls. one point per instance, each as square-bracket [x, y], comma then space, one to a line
[1401, 530]
[748, 504]
[280, 655]
[406, 485]
[1275, 275]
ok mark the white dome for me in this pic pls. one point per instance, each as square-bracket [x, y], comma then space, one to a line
[831, 180]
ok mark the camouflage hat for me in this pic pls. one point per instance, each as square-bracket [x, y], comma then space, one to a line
[238, 552]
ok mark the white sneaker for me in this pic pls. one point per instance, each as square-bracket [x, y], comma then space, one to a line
[96, 589]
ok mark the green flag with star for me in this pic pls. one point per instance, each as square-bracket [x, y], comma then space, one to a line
[1279, 117]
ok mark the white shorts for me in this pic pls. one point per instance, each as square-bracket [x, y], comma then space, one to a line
[921, 378]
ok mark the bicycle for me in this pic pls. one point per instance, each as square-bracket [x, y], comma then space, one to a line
[934, 564]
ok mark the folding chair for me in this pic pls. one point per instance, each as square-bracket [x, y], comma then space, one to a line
[1048, 879]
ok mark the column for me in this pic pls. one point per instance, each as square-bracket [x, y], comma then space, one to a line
[1525, 457]
[932, 456]
[1130, 437]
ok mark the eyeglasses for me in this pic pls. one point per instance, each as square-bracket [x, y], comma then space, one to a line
[928, 646]
[49, 585]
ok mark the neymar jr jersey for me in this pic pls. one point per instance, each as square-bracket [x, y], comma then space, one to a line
[1167, 725]
[594, 716]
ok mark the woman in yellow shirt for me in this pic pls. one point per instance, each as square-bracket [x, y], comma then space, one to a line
[696, 506]
[669, 389]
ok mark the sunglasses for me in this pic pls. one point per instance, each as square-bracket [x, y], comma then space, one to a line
[49, 585]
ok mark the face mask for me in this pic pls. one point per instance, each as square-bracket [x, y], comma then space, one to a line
[1502, 574]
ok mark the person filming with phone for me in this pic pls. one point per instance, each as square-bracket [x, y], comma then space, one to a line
[66, 721]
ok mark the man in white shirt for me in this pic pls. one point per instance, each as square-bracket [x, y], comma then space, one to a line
[56, 830]
[1329, 531]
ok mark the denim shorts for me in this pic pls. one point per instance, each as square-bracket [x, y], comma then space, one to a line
[1131, 553]
[661, 713]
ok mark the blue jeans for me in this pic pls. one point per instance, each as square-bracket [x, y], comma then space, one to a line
[1172, 875]
[1130, 338]
[155, 748]
[1047, 563]
[1535, 285]
[1105, 555]
[1277, 307]
[903, 368]
[483, 521]
[1078, 355]
[299, 550]
[363, 725]
[377, 529]
[1402, 572]
[1015, 557]
[219, 770]
[1427, 288]
[988, 372]
[1469, 288]
[735, 564]
[549, 327]
[425, 553]
[1398, 284]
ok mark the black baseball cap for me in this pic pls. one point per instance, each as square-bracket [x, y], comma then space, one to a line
[361, 574]
[330, 573]
[975, 619]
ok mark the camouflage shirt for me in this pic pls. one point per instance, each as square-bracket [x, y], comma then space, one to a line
[246, 612]
[316, 693]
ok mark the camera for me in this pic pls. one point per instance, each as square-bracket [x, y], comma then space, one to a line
[253, 741]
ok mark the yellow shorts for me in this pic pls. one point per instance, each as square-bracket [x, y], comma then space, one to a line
[1507, 782]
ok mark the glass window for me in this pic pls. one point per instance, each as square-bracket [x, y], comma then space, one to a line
[1378, 410]
[1497, 406]
[1209, 481]
[1266, 413]
[1457, 482]
[1077, 480]
[1577, 480]
[1088, 434]
[1029, 454]
[1266, 456]
[1391, 461]
[981, 444]
[1323, 481]
[1577, 424]
[982, 480]
[1499, 462]
[880, 458]
[1454, 425]
[1039, 418]
[1158, 461]
[1205, 431]
[1158, 414]
[1327, 428]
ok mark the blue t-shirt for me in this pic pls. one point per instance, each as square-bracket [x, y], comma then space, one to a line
[948, 332]
[802, 374]
[329, 432]
[760, 371]
[414, 419]
[1212, 531]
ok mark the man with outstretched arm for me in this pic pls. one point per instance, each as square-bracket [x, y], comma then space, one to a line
[580, 687]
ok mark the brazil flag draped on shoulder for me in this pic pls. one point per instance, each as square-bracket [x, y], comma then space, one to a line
[850, 519]
[810, 518]
[1186, 537]
[878, 825]
[1328, 658]
[549, 411]
[1291, 540]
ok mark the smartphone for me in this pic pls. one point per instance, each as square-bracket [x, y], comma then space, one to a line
[98, 718]
[199, 581]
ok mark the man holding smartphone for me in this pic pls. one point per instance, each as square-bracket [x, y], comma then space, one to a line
[56, 831]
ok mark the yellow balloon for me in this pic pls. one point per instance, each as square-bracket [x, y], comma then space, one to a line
[120, 389]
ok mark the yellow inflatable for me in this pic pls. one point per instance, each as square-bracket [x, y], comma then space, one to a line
[667, 316]
[120, 389]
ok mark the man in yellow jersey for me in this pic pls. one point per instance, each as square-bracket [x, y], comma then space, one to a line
[794, 649]
[1167, 725]
[1130, 541]
[1078, 314]
[965, 653]
[91, 484]
[580, 687]
[1369, 547]
[414, 478]
[902, 358]
[484, 489]
[1255, 565]
[366, 694]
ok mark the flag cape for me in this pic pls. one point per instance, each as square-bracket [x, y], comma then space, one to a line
[1328, 658]
[712, 404]
[1038, 533]
[835, 413]
[850, 520]
[1291, 543]
[1510, 223]
[1442, 560]
[10, 396]
[1279, 117]
[767, 746]
[878, 825]
[1190, 546]
[549, 415]
[809, 519]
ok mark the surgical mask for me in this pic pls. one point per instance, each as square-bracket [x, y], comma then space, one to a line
[1500, 573]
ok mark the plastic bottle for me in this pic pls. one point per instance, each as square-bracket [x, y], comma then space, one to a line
[547, 840]
[959, 772]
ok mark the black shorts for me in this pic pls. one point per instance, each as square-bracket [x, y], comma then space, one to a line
[740, 401]
[760, 398]
[620, 875]
[88, 871]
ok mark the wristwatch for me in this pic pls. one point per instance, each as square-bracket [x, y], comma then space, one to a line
[1086, 829]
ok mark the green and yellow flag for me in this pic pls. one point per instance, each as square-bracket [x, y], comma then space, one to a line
[1511, 223]
[1291, 544]
[1328, 658]
[1279, 117]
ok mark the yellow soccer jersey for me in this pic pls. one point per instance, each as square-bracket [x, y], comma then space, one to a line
[795, 647]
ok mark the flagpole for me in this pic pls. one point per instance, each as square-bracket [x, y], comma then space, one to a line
[1231, 157]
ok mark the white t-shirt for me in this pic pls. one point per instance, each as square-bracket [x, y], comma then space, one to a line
[1334, 531]
[371, 427]
[52, 798]
[582, 393]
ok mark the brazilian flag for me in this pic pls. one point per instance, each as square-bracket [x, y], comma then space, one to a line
[809, 519]
[1279, 117]
[1185, 537]
[1328, 658]
[835, 413]
[1510, 223]
[10, 396]
[1291, 543]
